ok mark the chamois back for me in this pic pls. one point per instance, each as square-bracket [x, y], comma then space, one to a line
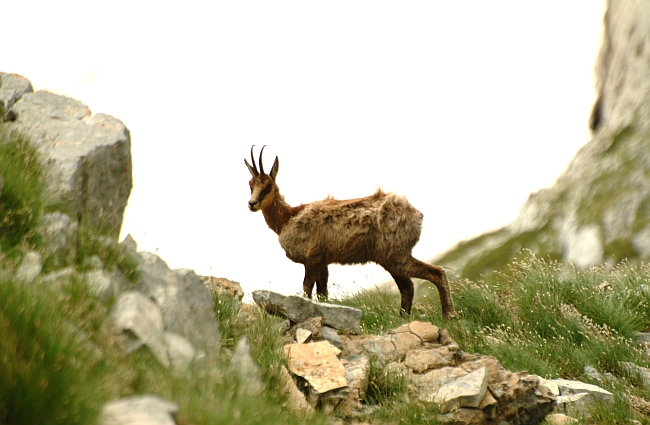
[377, 228]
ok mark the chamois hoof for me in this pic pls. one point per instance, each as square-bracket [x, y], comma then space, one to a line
[451, 315]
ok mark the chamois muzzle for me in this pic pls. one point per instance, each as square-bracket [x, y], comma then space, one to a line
[253, 205]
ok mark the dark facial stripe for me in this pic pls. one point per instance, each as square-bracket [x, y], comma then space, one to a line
[265, 191]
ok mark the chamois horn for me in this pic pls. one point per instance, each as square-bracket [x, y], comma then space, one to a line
[253, 169]
[262, 165]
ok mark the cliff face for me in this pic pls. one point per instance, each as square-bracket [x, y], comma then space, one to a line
[599, 208]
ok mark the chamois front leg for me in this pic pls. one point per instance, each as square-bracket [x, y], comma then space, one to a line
[321, 283]
[406, 290]
[312, 275]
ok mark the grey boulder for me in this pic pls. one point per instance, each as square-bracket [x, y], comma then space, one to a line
[88, 156]
[298, 309]
[139, 410]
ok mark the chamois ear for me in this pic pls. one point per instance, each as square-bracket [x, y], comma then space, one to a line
[275, 168]
[250, 169]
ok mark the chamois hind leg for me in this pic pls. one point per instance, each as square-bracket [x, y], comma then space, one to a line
[321, 283]
[315, 274]
[438, 277]
[405, 286]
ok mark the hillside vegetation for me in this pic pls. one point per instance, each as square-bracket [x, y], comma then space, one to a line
[58, 366]
[597, 211]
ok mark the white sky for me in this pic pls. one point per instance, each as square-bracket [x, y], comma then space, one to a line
[464, 107]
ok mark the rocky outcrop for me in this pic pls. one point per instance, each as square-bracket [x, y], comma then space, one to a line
[575, 396]
[598, 210]
[171, 312]
[88, 181]
[464, 388]
[185, 302]
[298, 309]
[88, 156]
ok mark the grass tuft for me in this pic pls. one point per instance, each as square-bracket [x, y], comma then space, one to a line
[113, 255]
[21, 199]
[48, 366]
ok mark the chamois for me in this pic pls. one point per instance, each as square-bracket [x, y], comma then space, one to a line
[381, 228]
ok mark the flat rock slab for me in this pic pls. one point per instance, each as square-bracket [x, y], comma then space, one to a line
[465, 391]
[421, 360]
[576, 395]
[318, 363]
[139, 410]
[426, 331]
[298, 309]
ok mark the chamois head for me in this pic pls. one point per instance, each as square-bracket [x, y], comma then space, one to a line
[263, 187]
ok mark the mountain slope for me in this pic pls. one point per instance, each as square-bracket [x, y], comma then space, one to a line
[598, 209]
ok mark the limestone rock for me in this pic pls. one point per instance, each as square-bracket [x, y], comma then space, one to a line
[180, 351]
[93, 262]
[137, 321]
[105, 286]
[296, 399]
[426, 331]
[440, 372]
[357, 373]
[318, 363]
[421, 360]
[88, 156]
[59, 234]
[139, 410]
[404, 340]
[64, 274]
[302, 335]
[380, 346]
[560, 419]
[641, 372]
[223, 286]
[30, 267]
[468, 388]
[312, 325]
[186, 304]
[12, 88]
[597, 210]
[463, 416]
[575, 395]
[330, 334]
[465, 391]
[298, 309]
[244, 367]
[129, 244]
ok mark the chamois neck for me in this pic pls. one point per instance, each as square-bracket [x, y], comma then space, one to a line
[278, 213]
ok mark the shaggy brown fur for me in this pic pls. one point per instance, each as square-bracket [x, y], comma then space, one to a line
[381, 228]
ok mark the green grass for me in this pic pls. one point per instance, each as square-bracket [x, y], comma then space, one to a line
[21, 199]
[226, 310]
[57, 364]
[380, 310]
[47, 366]
[91, 242]
[542, 317]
